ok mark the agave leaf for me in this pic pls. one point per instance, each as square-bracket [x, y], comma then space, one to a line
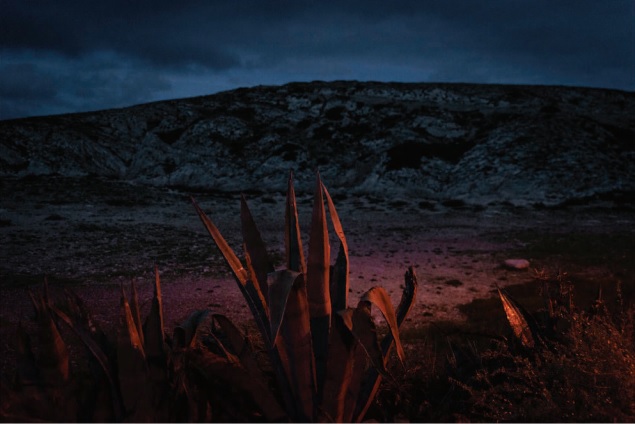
[255, 248]
[53, 358]
[99, 356]
[230, 257]
[136, 313]
[153, 327]
[236, 341]
[258, 300]
[239, 345]
[295, 332]
[83, 318]
[516, 319]
[408, 296]
[372, 379]
[292, 237]
[131, 362]
[360, 322]
[184, 332]
[213, 367]
[380, 298]
[361, 366]
[205, 337]
[246, 287]
[339, 281]
[318, 290]
[280, 284]
[339, 371]
[317, 278]
[365, 331]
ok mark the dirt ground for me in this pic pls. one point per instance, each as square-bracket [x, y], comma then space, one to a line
[93, 235]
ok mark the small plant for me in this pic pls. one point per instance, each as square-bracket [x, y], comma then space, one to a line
[327, 357]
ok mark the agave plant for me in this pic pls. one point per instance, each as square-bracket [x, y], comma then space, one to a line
[127, 376]
[327, 356]
[143, 375]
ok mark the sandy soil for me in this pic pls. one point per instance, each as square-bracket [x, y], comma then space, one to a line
[93, 235]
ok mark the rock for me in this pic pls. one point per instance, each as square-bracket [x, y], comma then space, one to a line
[516, 264]
[457, 145]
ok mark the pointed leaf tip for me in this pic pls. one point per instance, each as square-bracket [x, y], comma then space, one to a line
[517, 321]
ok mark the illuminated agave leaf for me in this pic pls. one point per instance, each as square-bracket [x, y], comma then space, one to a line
[86, 336]
[228, 254]
[239, 344]
[153, 328]
[516, 319]
[258, 300]
[136, 313]
[295, 332]
[339, 372]
[292, 237]
[379, 297]
[131, 360]
[280, 284]
[365, 330]
[322, 373]
[317, 281]
[317, 278]
[249, 289]
[339, 278]
[372, 379]
[255, 248]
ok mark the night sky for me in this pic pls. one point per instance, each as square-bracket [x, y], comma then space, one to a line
[59, 56]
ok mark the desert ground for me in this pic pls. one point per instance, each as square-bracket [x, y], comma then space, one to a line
[92, 235]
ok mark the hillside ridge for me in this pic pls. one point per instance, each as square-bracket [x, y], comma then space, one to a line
[477, 144]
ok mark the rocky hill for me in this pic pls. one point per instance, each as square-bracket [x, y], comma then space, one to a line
[472, 144]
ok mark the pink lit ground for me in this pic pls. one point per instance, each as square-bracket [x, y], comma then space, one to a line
[92, 243]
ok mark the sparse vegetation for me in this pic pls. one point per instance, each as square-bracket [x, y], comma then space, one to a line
[315, 343]
[559, 361]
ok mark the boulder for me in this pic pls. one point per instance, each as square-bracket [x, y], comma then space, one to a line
[516, 264]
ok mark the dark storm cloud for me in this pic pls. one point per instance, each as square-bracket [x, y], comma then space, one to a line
[172, 49]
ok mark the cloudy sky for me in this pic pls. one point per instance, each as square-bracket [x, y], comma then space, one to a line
[59, 56]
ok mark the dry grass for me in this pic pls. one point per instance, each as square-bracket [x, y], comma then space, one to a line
[582, 371]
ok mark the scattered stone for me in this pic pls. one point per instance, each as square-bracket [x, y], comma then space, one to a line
[516, 264]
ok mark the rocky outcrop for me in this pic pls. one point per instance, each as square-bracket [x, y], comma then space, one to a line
[471, 144]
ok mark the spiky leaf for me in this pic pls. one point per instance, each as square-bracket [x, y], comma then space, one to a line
[373, 379]
[255, 248]
[519, 324]
[93, 346]
[280, 284]
[131, 362]
[153, 328]
[136, 313]
[318, 290]
[292, 237]
[339, 281]
[295, 332]
[228, 254]
[380, 298]
[339, 371]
